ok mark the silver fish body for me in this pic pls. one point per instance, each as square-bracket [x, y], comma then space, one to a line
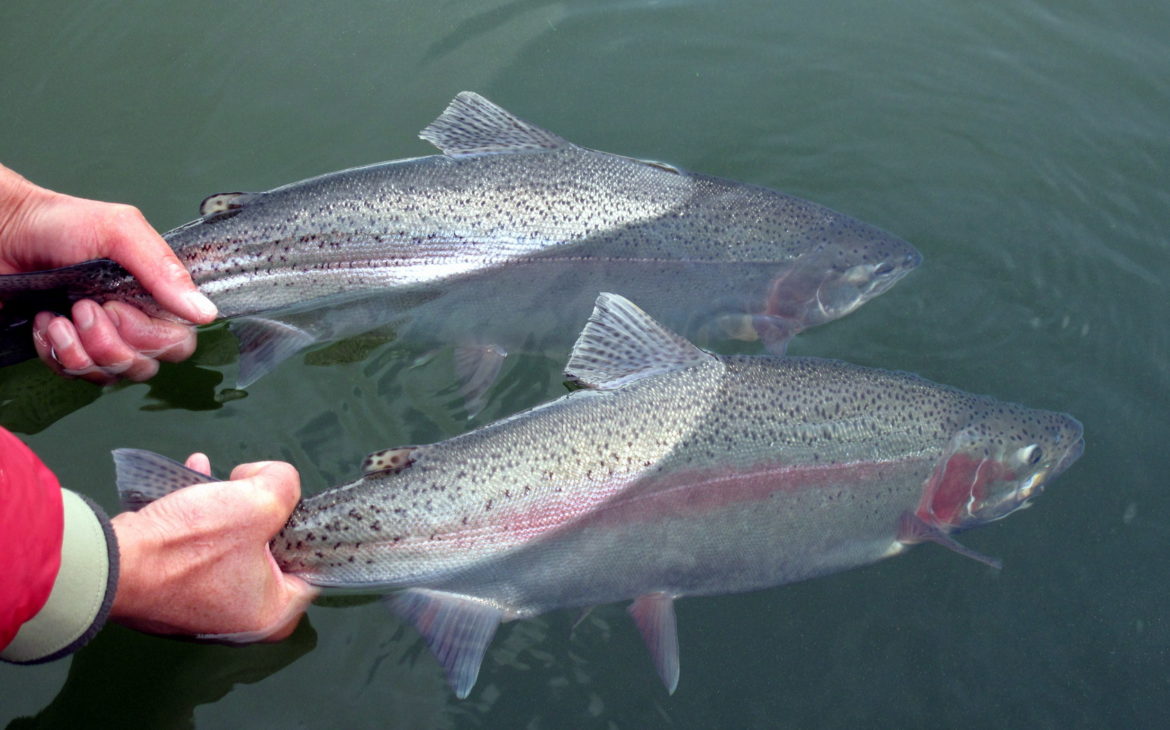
[511, 226]
[673, 473]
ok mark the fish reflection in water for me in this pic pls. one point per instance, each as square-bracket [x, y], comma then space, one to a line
[498, 245]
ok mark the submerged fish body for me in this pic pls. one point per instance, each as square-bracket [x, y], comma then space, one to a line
[673, 472]
[510, 221]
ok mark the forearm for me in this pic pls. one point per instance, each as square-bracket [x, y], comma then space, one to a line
[17, 196]
[82, 593]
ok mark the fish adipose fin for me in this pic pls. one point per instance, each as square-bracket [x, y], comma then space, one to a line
[223, 202]
[472, 125]
[388, 460]
[654, 616]
[912, 530]
[144, 476]
[457, 629]
[621, 343]
[264, 344]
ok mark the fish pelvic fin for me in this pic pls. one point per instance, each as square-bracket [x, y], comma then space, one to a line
[265, 342]
[912, 530]
[472, 125]
[144, 476]
[457, 629]
[653, 614]
[477, 369]
[621, 343]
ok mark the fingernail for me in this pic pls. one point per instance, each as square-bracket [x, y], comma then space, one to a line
[112, 313]
[202, 304]
[83, 315]
[60, 335]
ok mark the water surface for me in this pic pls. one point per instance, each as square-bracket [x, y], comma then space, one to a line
[1021, 146]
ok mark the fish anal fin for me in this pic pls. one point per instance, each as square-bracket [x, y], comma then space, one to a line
[457, 629]
[913, 530]
[621, 343]
[472, 125]
[653, 614]
[266, 342]
[143, 476]
[392, 460]
[223, 202]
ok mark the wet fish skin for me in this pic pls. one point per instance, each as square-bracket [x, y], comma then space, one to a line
[674, 472]
[455, 248]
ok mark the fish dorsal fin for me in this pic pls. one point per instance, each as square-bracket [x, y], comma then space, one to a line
[223, 202]
[621, 343]
[472, 125]
[388, 460]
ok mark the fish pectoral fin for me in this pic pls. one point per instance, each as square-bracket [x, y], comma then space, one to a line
[390, 461]
[265, 343]
[653, 614]
[472, 125]
[621, 343]
[457, 629]
[476, 368]
[223, 202]
[144, 476]
[913, 530]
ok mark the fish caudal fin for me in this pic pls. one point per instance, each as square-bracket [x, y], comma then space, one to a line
[912, 530]
[472, 125]
[654, 616]
[264, 344]
[144, 476]
[621, 343]
[457, 629]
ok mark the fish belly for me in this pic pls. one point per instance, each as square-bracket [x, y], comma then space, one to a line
[708, 534]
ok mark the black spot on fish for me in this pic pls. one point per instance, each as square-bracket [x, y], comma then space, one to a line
[376, 525]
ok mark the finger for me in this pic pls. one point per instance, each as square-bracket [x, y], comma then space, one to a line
[149, 336]
[111, 355]
[134, 243]
[199, 462]
[44, 347]
[67, 356]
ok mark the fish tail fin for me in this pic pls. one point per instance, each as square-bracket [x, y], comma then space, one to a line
[53, 290]
[144, 476]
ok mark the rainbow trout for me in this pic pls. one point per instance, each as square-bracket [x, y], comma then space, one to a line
[672, 472]
[499, 244]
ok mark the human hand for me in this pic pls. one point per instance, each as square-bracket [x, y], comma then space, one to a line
[197, 561]
[42, 229]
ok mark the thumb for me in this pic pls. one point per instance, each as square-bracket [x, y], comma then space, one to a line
[132, 241]
[277, 487]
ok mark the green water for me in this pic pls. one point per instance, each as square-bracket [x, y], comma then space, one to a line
[1021, 146]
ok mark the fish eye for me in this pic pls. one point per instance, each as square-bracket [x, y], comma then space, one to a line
[1030, 455]
[884, 268]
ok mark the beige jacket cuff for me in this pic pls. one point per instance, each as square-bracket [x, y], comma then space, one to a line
[83, 592]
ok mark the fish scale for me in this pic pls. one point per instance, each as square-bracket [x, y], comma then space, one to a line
[497, 245]
[672, 472]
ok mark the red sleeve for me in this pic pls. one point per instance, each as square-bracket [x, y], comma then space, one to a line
[31, 529]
